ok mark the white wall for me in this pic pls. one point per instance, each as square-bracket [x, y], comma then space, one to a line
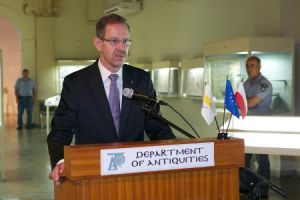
[73, 31]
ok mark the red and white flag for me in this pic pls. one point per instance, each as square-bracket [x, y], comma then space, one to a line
[241, 100]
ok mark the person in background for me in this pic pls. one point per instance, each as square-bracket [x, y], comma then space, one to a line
[25, 93]
[258, 91]
[92, 107]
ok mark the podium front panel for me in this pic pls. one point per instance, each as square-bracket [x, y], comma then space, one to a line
[84, 182]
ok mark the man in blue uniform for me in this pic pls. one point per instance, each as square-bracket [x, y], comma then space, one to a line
[25, 92]
[259, 97]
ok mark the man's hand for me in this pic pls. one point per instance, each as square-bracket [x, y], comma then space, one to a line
[253, 101]
[57, 172]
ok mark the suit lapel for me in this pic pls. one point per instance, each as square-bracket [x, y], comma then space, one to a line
[126, 103]
[98, 90]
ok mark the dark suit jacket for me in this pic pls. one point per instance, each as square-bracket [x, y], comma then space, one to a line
[84, 111]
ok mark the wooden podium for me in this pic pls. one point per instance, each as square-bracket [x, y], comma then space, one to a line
[82, 180]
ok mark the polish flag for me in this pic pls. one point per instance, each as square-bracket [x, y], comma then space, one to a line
[241, 99]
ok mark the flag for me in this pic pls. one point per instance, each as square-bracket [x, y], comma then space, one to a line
[208, 110]
[229, 102]
[241, 100]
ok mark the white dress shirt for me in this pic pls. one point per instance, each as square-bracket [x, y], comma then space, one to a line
[106, 81]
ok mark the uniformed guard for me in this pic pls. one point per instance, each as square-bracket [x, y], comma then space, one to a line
[259, 98]
[25, 90]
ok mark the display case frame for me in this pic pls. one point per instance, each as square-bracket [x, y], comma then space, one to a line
[165, 76]
[66, 67]
[192, 78]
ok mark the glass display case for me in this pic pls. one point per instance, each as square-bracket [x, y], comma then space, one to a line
[227, 59]
[192, 74]
[165, 78]
[66, 67]
[276, 135]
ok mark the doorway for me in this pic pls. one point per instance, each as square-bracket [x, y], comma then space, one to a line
[1, 94]
[10, 44]
[1, 125]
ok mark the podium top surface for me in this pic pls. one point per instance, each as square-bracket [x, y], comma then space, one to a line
[83, 161]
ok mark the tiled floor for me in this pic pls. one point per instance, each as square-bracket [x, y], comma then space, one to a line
[27, 168]
[26, 165]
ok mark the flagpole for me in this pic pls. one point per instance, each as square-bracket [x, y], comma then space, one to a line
[224, 117]
[217, 125]
[228, 123]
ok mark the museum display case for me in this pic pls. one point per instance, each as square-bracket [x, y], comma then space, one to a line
[165, 76]
[192, 74]
[226, 59]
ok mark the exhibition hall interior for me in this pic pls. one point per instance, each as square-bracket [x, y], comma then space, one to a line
[184, 46]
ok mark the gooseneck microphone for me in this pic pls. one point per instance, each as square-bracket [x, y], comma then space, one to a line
[129, 93]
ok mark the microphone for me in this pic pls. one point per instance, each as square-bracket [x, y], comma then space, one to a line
[129, 93]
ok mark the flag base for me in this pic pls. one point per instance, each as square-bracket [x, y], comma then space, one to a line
[223, 136]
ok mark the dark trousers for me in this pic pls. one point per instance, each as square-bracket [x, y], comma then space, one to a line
[25, 103]
[263, 170]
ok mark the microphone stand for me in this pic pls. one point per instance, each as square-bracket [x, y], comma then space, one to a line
[254, 192]
[166, 121]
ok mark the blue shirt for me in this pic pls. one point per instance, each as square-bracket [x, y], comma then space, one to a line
[262, 88]
[25, 87]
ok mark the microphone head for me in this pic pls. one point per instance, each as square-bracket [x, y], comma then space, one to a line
[127, 92]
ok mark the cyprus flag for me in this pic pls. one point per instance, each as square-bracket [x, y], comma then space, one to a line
[208, 110]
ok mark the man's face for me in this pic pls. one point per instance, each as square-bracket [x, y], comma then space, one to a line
[113, 57]
[253, 69]
[26, 74]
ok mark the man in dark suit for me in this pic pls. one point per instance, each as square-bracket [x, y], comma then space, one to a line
[91, 105]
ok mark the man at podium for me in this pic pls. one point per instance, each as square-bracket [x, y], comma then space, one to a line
[91, 105]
